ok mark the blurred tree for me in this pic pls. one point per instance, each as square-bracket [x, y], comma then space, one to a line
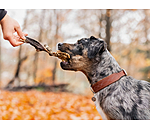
[131, 29]
[60, 17]
[57, 21]
[41, 22]
[108, 28]
[96, 22]
[126, 32]
[146, 25]
[146, 70]
[20, 60]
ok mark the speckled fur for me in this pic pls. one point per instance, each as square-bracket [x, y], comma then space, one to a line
[126, 99]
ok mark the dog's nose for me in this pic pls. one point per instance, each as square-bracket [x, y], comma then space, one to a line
[60, 44]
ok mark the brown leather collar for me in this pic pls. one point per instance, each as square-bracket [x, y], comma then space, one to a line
[107, 81]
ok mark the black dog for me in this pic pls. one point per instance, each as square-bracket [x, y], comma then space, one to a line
[126, 98]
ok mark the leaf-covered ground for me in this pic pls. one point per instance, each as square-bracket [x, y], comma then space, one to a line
[36, 105]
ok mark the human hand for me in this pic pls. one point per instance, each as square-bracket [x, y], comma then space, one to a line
[9, 27]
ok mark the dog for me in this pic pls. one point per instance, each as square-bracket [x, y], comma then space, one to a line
[125, 99]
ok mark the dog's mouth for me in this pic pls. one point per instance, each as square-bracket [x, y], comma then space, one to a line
[64, 56]
[66, 59]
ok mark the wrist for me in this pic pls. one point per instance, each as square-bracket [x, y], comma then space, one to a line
[3, 13]
[3, 19]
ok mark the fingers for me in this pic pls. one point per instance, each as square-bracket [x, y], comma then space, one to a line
[9, 27]
[14, 43]
[19, 31]
[14, 40]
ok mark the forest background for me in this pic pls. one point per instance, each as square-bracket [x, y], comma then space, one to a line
[126, 32]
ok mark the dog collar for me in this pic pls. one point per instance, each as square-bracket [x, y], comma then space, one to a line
[107, 81]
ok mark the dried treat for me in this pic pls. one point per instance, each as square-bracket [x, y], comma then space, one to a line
[61, 55]
[39, 47]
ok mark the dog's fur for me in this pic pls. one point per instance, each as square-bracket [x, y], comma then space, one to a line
[127, 98]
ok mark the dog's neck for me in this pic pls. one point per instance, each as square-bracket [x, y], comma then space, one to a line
[106, 66]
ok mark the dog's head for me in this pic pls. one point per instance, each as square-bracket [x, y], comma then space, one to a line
[82, 53]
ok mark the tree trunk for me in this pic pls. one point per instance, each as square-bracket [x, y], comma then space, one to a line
[101, 18]
[16, 76]
[20, 60]
[56, 40]
[108, 27]
[35, 62]
[146, 23]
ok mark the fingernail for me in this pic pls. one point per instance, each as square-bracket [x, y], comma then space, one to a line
[23, 37]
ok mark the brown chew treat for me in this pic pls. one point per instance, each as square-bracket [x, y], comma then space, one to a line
[39, 47]
[61, 55]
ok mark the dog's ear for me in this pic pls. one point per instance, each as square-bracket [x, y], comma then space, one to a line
[95, 46]
[93, 38]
